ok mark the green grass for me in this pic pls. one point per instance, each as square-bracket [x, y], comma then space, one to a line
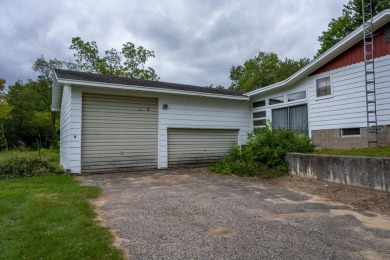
[370, 152]
[52, 156]
[49, 217]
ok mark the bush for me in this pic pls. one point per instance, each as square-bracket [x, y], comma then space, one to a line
[26, 167]
[264, 154]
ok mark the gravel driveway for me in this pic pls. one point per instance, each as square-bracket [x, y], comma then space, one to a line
[189, 214]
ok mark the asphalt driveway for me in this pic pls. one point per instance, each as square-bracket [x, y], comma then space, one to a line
[189, 214]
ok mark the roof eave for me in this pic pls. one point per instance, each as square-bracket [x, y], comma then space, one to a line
[149, 89]
[351, 39]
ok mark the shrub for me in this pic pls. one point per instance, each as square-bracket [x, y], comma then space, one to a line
[264, 154]
[26, 167]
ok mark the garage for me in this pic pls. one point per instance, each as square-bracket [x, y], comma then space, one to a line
[199, 146]
[119, 133]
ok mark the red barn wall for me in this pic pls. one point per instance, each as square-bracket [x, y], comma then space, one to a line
[355, 54]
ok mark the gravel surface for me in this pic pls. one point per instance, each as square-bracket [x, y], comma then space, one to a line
[190, 214]
[367, 199]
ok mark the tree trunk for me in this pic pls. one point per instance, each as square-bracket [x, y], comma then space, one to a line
[3, 135]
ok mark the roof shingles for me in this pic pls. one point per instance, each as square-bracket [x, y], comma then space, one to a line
[92, 77]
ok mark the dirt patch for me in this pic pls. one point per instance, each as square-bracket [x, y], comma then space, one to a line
[379, 222]
[291, 215]
[371, 200]
[222, 231]
[118, 242]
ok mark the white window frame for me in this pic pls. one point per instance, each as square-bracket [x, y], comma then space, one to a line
[260, 118]
[262, 107]
[277, 104]
[299, 100]
[331, 87]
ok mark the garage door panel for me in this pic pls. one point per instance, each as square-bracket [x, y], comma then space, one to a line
[197, 146]
[107, 167]
[120, 160]
[118, 133]
[118, 145]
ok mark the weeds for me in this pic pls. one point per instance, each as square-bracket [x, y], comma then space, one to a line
[264, 154]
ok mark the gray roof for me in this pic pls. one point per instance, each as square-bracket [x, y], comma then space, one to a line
[86, 76]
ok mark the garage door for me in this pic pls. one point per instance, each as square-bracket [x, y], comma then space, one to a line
[198, 146]
[118, 133]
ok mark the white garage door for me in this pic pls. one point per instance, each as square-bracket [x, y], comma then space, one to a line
[198, 146]
[119, 133]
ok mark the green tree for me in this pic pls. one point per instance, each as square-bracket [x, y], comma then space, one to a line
[42, 86]
[263, 70]
[130, 62]
[4, 115]
[350, 19]
[29, 116]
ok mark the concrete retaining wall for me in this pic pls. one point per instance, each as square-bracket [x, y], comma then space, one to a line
[369, 172]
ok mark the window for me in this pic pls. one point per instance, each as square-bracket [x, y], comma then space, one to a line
[323, 87]
[350, 131]
[258, 104]
[276, 100]
[296, 96]
[294, 118]
[259, 118]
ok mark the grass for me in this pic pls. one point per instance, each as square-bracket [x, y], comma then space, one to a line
[49, 217]
[52, 156]
[370, 152]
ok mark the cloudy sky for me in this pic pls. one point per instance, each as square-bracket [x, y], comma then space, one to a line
[195, 41]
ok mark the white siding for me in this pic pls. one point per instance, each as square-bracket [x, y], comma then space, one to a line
[206, 113]
[346, 108]
[65, 117]
[182, 112]
[70, 129]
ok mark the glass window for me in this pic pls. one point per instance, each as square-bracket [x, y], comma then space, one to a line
[259, 118]
[296, 96]
[259, 122]
[258, 104]
[350, 131]
[293, 118]
[323, 87]
[259, 114]
[276, 100]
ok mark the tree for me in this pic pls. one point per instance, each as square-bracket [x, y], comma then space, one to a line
[350, 19]
[4, 115]
[42, 85]
[130, 62]
[29, 116]
[217, 86]
[263, 70]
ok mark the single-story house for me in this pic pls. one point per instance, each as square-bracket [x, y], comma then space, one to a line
[111, 123]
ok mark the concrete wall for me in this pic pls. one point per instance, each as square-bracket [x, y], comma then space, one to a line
[369, 172]
[332, 138]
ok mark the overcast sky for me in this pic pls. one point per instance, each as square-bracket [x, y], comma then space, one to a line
[195, 41]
